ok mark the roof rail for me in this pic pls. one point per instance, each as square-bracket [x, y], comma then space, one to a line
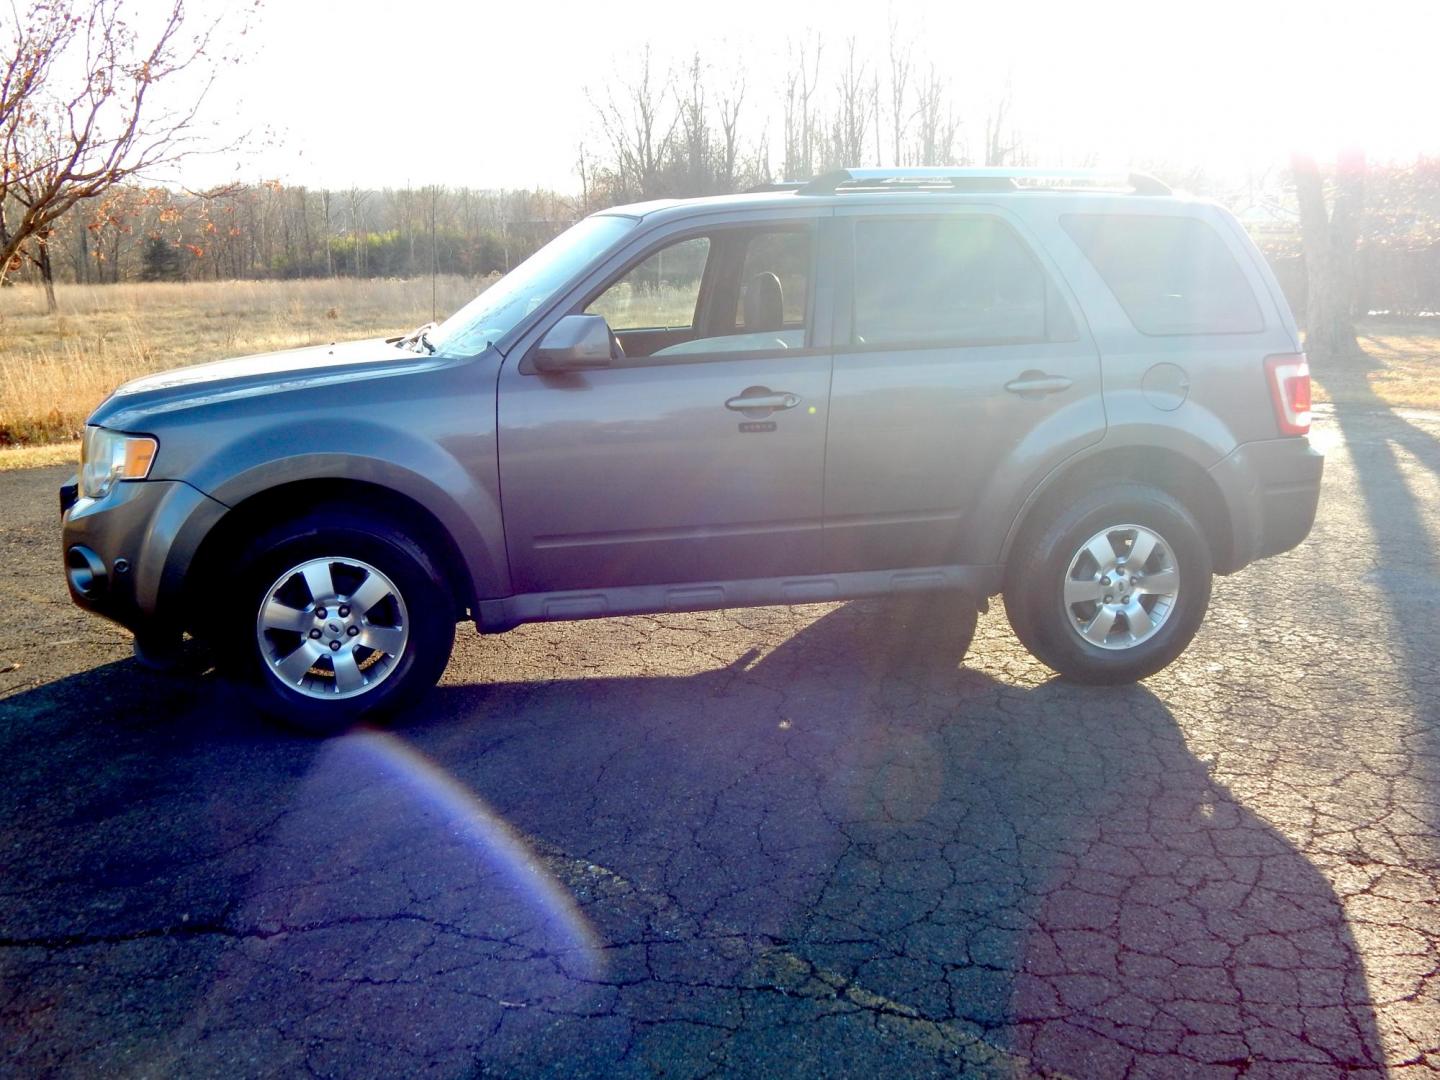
[776, 185]
[973, 178]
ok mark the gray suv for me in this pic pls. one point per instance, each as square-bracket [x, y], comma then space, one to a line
[956, 381]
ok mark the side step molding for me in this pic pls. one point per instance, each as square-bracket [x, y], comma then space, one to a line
[495, 616]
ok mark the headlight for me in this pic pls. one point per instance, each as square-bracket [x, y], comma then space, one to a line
[107, 456]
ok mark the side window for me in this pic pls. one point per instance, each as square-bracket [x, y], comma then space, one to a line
[1172, 275]
[774, 282]
[962, 279]
[660, 293]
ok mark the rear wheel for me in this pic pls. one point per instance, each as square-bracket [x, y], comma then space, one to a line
[1114, 588]
[338, 616]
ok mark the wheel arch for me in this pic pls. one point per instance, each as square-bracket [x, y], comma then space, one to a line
[292, 499]
[1161, 467]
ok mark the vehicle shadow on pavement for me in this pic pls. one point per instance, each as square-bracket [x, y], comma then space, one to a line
[1397, 467]
[845, 856]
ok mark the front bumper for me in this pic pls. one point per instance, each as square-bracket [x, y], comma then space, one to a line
[1272, 489]
[126, 555]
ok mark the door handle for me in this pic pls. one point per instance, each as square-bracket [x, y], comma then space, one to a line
[762, 399]
[1038, 383]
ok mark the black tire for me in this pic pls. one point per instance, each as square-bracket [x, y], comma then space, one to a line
[1041, 560]
[170, 653]
[339, 532]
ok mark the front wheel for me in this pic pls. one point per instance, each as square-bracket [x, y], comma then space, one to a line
[1114, 588]
[340, 616]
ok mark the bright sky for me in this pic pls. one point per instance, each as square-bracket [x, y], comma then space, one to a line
[379, 92]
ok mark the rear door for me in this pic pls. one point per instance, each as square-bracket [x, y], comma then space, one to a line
[961, 367]
[699, 455]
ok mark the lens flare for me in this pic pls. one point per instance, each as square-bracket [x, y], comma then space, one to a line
[565, 928]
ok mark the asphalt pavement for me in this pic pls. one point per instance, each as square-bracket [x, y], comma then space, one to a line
[809, 841]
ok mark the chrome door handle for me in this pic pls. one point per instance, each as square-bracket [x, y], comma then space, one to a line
[759, 397]
[1037, 383]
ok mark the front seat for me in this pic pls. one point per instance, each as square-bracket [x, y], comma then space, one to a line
[764, 303]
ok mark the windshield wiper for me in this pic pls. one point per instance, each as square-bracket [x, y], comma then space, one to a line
[420, 337]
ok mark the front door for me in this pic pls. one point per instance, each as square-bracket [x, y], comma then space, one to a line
[959, 369]
[699, 454]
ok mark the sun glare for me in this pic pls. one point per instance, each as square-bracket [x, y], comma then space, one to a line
[1228, 86]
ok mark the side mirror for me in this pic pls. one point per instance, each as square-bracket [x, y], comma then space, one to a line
[575, 343]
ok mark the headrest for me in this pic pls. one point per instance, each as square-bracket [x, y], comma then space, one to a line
[764, 303]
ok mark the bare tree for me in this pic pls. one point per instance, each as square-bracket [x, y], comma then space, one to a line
[1000, 142]
[936, 126]
[584, 168]
[329, 238]
[855, 97]
[639, 135]
[83, 108]
[875, 116]
[900, 65]
[694, 123]
[732, 97]
[359, 232]
[800, 87]
[1328, 235]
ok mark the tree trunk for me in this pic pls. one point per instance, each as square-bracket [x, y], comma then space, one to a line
[329, 253]
[82, 268]
[1329, 235]
[47, 275]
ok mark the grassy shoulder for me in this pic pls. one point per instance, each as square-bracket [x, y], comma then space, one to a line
[54, 369]
[38, 457]
[1398, 366]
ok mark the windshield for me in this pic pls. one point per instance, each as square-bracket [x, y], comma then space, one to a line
[499, 308]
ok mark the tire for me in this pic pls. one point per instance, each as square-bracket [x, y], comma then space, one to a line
[379, 659]
[159, 651]
[169, 653]
[1128, 631]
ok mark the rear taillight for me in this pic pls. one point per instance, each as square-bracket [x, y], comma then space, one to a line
[1289, 378]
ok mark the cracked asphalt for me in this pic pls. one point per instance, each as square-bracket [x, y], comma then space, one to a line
[808, 841]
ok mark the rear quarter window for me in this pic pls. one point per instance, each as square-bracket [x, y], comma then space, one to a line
[950, 280]
[1172, 275]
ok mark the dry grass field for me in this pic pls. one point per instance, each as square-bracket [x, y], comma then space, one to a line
[1399, 365]
[55, 369]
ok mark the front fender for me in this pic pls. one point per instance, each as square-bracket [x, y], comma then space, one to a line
[425, 431]
[426, 472]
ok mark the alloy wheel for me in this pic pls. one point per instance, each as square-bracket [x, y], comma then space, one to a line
[1121, 587]
[332, 628]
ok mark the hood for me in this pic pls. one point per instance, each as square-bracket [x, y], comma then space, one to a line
[246, 376]
[268, 365]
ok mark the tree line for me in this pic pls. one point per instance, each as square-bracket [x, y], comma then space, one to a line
[90, 106]
[270, 230]
[1387, 216]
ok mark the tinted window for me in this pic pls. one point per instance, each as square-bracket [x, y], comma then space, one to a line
[786, 255]
[1172, 275]
[659, 293]
[950, 280]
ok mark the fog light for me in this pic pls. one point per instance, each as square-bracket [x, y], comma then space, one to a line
[86, 572]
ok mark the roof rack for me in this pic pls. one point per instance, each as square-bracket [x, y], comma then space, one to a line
[945, 178]
[776, 185]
